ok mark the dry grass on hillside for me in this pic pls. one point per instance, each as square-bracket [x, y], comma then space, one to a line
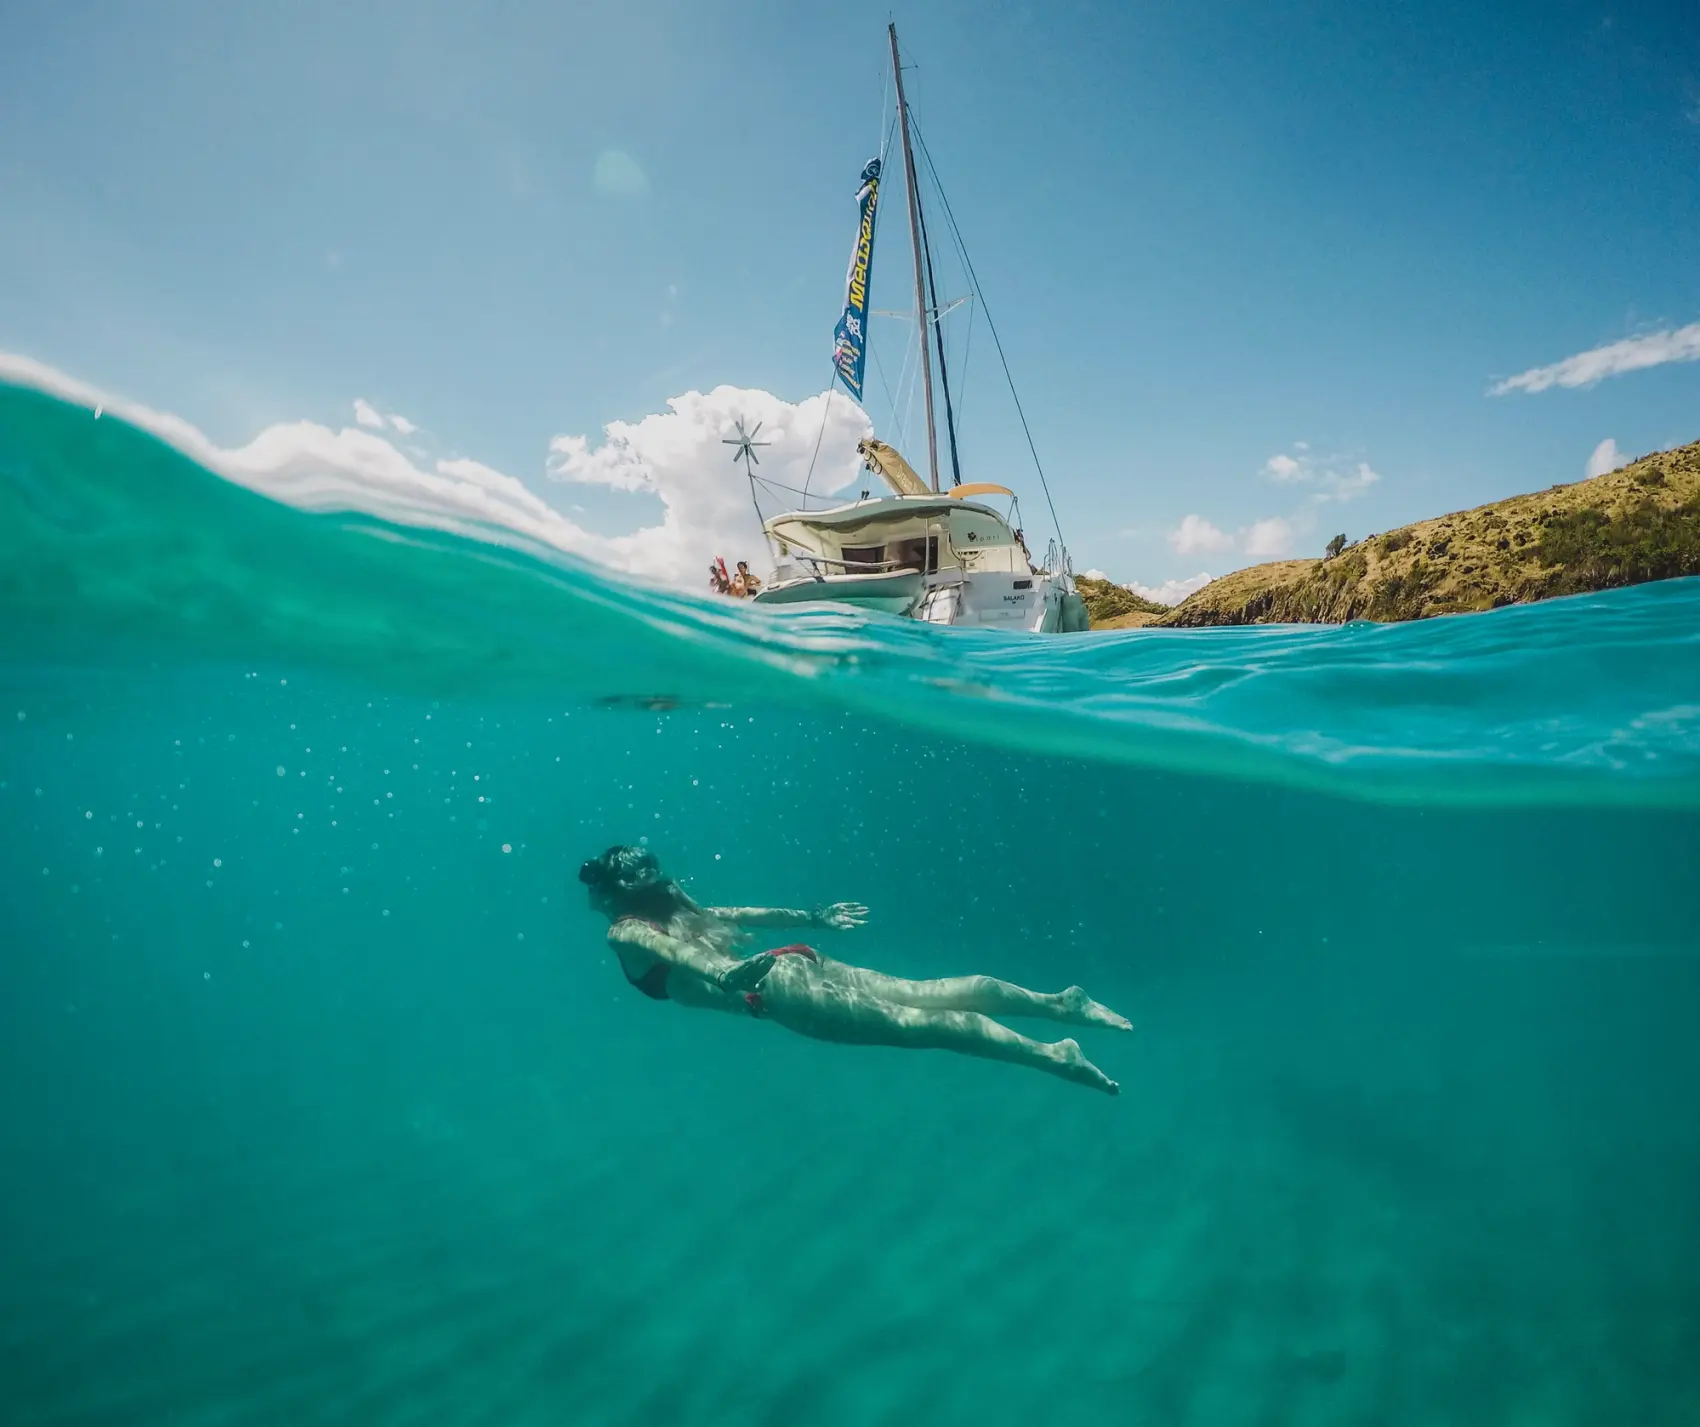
[1636, 524]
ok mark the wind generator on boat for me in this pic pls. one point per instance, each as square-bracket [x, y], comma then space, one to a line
[946, 556]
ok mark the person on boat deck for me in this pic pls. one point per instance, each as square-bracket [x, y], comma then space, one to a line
[716, 579]
[671, 949]
[751, 583]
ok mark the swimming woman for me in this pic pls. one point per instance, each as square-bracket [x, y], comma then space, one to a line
[671, 949]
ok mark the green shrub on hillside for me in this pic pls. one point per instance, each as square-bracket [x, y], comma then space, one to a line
[1401, 596]
[1107, 600]
[1590, 551]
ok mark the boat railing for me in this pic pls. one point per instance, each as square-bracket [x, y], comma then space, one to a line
[1057, 559]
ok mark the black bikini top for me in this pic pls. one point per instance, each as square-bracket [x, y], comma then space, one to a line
[653, 983]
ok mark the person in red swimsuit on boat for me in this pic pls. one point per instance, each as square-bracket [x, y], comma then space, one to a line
[671, 949]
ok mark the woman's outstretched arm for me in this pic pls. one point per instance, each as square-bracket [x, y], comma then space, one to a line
[837, 916]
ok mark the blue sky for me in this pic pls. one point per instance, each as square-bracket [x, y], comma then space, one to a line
[1209, 233]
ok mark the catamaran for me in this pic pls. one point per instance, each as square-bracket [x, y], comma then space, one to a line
[956, 555]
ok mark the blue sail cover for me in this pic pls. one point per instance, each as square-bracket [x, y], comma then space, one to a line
[850, 345]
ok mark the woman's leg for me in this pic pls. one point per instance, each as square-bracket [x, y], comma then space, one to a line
[990, 997]
[834, 1008]
[971, 1033]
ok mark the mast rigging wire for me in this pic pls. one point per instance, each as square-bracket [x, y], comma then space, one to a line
[1026, 431]
[937, 321]
[809, 478]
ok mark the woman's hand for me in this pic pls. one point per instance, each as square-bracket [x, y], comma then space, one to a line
[748, 974]
[841, 916]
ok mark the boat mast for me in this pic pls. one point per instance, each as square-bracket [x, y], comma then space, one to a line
[915, 243]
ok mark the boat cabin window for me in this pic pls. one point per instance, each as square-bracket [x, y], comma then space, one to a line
[921, 553]
[861, 558]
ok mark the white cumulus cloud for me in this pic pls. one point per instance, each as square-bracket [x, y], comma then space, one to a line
[1606, 457]
[1284, 468]
[680, 456]
[1171, 592]
[1632, 354]
[1197, 536]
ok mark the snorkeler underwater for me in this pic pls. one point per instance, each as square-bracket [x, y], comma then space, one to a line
[672, 949]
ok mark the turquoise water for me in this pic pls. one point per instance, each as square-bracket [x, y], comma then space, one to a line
[325, 1103]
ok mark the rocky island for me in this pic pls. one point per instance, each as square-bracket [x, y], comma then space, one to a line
[1638, 523]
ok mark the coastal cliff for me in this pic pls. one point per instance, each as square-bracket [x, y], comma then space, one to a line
[1638, 523]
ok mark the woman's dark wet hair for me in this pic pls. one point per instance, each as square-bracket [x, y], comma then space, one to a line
[630, 880]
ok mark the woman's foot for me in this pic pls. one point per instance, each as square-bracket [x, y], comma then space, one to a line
[1082, 1010]
[1073, 1065]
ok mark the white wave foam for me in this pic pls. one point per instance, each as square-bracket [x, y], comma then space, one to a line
[676, 455]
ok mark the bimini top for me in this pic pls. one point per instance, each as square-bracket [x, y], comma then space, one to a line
[978, 488]
[882, 511]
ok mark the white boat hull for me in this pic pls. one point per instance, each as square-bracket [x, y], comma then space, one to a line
[941, 559]
[1036, 604]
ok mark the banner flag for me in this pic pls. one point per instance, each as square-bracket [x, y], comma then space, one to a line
[850, 340]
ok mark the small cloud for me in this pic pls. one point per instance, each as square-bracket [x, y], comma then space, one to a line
[1270, 538]
[368, 415]
[1632, 354]
[619, 175]
[1606, 457]
[1171, 592]
[1320, 472]
[1345, 486]
[1197, 536]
